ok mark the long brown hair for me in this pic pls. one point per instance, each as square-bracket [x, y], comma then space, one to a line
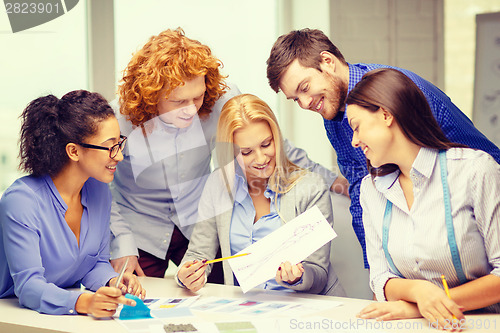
[395, 92]
[49, 123]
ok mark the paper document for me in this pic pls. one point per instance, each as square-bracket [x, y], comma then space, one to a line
[294, 241]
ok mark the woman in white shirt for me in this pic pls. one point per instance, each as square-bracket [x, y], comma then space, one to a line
[245, 201]
[430, 207]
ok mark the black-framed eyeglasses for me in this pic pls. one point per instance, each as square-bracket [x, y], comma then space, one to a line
[113, 150]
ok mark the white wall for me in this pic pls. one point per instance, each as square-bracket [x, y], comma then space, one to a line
[48, 59]
[240, 33]
[460, 45]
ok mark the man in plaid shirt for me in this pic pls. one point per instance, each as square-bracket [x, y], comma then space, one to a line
[310, 70]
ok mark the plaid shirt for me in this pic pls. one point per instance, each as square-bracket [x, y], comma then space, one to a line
[352, 162]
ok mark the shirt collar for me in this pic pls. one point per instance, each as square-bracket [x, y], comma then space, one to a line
[60, 200]
[355, 74]
[242, 188]
[425, 162]
[423, 166]
[384, 183]
[55, 192]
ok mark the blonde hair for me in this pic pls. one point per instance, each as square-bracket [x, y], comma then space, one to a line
[239, 112]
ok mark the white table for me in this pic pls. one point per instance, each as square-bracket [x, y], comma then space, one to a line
[14, 318]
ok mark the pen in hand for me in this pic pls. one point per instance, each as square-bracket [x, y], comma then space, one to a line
[446, 289]
[225, 258]
[122, 271]
[206, 262]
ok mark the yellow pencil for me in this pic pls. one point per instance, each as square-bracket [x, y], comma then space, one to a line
[446, 289]
[230, 257]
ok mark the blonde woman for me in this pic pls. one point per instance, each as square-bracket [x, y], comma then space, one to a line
[245, 201]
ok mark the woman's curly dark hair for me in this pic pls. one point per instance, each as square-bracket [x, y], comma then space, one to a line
[49, 124]
[167, 61]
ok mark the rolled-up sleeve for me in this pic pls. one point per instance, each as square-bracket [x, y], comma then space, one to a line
[299, 157]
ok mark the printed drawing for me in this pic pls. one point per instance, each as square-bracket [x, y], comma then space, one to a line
[300, 231]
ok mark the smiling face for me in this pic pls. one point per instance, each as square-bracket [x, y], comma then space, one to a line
[372, 133]
[322, 92]
[183, 103]
[258, 153]
[96, 163]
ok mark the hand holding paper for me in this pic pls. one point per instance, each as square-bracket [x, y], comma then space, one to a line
[289, 273]
[292, 242]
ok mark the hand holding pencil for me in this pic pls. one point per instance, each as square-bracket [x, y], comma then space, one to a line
[128, 282]
[105, 301]
[446, 290]
[192, 273]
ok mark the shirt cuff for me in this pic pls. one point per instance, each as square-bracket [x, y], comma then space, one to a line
[330, 178]
[122, 246]
[179, 283]
[378, 286]
[71, 309]
[296, 283]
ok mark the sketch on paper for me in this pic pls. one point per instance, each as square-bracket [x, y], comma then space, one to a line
[300, 232]
[292, 242]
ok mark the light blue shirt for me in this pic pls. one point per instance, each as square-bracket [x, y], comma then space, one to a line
[244, 232]
[39, 254]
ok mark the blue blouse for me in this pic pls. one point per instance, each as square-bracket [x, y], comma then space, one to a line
[39, 254]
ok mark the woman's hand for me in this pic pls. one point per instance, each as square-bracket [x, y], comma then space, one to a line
[392, 310]
[130, 284]
[192, 274]
[132, 266]
[102, 303]
[289, 273]
[436, 307]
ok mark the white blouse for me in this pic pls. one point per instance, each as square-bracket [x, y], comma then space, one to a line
[418, 241]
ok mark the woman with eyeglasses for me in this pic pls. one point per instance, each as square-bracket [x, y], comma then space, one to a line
[55, 222]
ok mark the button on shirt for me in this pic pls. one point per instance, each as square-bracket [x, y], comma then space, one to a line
[352, 162]
[244, 232]
[418, 242]
[41, 250]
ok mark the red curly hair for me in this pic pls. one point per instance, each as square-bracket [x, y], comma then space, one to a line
[167, 61]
